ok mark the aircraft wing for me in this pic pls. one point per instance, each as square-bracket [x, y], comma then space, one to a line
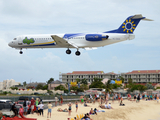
[62, 42]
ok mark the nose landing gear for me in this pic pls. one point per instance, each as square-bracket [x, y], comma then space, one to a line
[21, 52]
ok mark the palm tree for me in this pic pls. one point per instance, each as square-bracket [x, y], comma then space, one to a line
[108, 86]
[121, 78]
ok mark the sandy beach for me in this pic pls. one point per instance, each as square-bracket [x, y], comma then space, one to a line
[144, 110]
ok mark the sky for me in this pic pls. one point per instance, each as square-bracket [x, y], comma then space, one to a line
[21, 17]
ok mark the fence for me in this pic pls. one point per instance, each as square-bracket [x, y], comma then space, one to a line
[44, 98]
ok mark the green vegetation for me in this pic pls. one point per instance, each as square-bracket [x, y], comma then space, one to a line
[14, 88]
[60, 87]
[97, 83]
[149, 86]
[24, 83]
[108, 86]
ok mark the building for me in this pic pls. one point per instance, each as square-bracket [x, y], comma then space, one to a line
[6, 84]
[89, 75]
[142, 76]
[54, 84]
[34, 85]
[137, 76]
[1, 85]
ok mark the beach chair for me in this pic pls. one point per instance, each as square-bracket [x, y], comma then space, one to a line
[78, 117]
[71, 119]
[81, 116]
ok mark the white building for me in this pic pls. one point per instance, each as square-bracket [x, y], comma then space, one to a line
[1, 85]
[6, 84]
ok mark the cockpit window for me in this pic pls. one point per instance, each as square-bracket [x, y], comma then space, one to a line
[15, 39]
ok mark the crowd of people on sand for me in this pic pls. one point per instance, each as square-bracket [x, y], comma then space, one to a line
[103, 102]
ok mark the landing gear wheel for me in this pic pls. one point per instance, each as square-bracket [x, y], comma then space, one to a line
[21, 52]
[77, 53]
[68, 51]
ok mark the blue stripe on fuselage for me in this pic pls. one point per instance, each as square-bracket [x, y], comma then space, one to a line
[40, 45]
[66, 36]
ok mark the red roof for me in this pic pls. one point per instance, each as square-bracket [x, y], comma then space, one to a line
[143, 71]
[86, 72]
[111, 73]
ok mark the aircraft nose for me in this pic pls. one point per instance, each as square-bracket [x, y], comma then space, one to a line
[10, 44]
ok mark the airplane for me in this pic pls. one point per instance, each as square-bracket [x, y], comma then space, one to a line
[86, 41]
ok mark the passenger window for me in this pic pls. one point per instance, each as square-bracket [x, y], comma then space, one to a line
[15, 39]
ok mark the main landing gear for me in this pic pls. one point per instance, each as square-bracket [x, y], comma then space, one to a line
[68, 51]
[77, 53]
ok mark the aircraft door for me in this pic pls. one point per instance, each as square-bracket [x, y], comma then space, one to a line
[19, 40]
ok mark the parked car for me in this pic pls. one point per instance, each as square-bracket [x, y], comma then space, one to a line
[64, 94]
[6, 101]
[81, 93]
[5, 108]
[36, 93]
[71, 93]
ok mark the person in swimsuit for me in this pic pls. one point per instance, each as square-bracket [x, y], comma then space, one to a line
[70, 108]
[82, 99]
[76, 106]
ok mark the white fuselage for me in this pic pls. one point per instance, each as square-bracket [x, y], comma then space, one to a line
[46, 41]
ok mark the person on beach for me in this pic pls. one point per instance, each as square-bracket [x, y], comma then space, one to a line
[101, 98]
[92, 112]
[91, 98]
[61, 99]
[151, 98]
[138, 98]
[109, 106]
[97, 97]
[121, 101]
[157, 99]
[14, 109]
[60, 110]
[94, 100]
[106, 98]
[25, 106]
[70, 108]
[37, 105]
[49, 109]
[76, 106]
[82, 99]
[113, 98]
[85, 105]
[40, 106]
[135, 97]
[56, 100]
[32, 105]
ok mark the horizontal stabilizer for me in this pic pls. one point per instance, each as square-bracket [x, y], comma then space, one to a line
[139, 16]
[147, 19]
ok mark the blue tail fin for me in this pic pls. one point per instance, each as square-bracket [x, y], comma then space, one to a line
[129, 25]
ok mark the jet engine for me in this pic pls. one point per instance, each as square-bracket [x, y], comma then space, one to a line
[96, 37]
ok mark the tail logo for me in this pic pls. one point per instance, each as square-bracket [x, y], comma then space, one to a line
[128, 26]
